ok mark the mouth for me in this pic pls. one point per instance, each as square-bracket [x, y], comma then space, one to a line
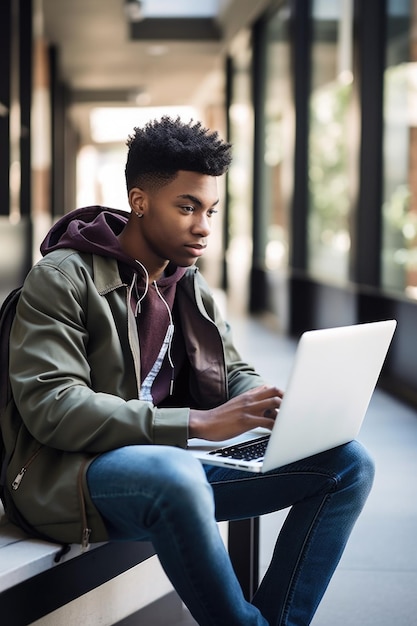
[197, 249]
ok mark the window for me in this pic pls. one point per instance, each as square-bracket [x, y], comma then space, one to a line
[278, 151]
[399, 209]
[240, 187]
[331, 158]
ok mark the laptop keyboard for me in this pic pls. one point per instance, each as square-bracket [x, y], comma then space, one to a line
[246, 451]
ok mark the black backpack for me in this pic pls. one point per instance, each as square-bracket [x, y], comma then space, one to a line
[7, 314]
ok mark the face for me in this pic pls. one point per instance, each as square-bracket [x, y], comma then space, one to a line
[176, 222]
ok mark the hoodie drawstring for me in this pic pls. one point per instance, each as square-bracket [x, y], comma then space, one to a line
[166, 348]
[139, 299]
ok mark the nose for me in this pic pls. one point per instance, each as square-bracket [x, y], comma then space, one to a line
[201, 224]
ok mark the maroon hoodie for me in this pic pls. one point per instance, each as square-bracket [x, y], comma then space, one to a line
[94, 230]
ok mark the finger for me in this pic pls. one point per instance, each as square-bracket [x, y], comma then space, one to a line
[266, 423]
[267, 392]
[263, 405]
[271, 408]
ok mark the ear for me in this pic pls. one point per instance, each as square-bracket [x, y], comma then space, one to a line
[137, 200]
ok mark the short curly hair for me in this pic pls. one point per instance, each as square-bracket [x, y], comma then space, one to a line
[163, 147]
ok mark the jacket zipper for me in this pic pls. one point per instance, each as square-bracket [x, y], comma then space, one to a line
[22, 472]
[86, 532]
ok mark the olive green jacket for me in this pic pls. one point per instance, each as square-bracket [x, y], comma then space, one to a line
[75, 376]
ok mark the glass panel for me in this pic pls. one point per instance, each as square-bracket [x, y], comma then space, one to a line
[330, 154]
[279, 141]
[399, 217]
[240, 190]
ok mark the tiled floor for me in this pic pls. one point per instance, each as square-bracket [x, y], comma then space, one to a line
[376, 581]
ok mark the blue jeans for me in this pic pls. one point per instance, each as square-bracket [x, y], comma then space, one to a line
[164, 495]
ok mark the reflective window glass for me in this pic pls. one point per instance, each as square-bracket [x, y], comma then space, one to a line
[278, 152]
[399, 209]
[240, 187]
[331, 158]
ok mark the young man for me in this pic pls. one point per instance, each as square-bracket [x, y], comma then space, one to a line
[118, 356]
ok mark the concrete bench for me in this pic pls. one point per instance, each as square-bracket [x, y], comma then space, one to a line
[44, 584]
[39, 579]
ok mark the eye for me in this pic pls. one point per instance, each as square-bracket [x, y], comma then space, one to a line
[211, 212]
[188, 208]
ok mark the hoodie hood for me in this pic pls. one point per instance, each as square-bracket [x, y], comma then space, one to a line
[92, 229]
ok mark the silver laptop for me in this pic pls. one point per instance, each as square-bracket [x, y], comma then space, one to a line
[334, 375]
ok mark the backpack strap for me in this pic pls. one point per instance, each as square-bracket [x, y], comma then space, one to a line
[7, 314]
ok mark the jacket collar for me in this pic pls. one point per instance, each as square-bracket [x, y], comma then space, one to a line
[106, 274]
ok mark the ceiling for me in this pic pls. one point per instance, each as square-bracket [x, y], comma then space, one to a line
[101, 64]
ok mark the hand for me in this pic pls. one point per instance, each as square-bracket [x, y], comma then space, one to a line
[252, 409]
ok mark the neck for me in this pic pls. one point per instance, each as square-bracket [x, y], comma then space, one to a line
[129, 245]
